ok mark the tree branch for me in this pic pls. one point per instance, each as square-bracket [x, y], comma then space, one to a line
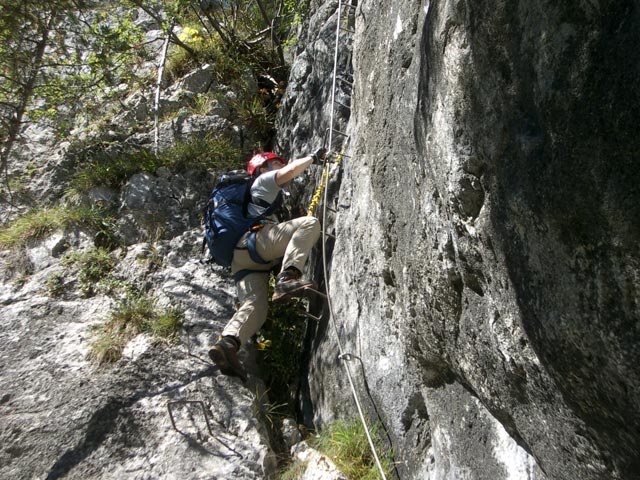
[174, 38]
[15, 121]
[274, 36]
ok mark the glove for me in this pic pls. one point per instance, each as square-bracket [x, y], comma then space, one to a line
[319, 155]
[298, 211]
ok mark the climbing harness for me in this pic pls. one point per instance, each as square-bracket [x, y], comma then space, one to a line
[323, 191]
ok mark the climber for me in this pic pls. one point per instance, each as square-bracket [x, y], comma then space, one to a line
[287, 243]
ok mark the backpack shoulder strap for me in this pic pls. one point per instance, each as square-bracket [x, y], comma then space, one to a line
[247, 195]
[270, 207]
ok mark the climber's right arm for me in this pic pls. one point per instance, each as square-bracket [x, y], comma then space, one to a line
[292, 170]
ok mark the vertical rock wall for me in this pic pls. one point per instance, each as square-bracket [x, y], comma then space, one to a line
[485, 271]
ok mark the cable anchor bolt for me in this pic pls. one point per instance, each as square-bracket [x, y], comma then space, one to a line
[347, 357]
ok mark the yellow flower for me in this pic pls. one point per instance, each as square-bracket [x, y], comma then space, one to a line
[190, 35]
[263, 345]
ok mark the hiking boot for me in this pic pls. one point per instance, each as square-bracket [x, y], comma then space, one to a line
[225, 355]
[289, 284]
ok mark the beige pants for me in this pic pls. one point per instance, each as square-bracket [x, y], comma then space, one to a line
[290, 241]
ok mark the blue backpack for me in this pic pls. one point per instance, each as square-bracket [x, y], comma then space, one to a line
[226, 218]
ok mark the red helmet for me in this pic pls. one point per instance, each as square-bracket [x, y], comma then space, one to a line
[260, 159]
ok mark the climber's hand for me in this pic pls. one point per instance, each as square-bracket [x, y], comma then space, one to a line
[319, 155]
[298, 211]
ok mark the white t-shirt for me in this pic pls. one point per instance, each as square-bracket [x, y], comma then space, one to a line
[264, 188]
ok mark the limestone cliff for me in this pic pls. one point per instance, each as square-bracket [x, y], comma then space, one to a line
[485, 267]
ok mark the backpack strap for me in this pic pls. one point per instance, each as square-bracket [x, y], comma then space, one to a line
[251, 238]
[261, 203]
[253, 250]
[240, 274]
[270, 207]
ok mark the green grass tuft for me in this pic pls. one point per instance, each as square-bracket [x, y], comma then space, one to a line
[347, 446]
[55, 284]
[94, 264]
[293, 471]
[134, 315]
[166, 323]
[38, 224]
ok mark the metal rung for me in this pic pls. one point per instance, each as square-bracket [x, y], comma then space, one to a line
[349, 5]
[340, 103]
[348, 30]
[341, 133]
[348, 357]
[329, 235]
[317, 292]
[206, 418]
[339, 154]
[197, 402]
[308, 315]
[345, 81]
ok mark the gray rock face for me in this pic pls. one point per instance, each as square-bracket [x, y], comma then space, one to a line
[162, 205]
[305, 112]
[491, 293]
[65, 418]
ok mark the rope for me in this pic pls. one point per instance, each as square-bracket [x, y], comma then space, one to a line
[316, 198]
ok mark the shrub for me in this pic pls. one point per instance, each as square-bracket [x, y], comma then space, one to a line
[204, 47]
[253, 113]
[101, 167]
[280, 345]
